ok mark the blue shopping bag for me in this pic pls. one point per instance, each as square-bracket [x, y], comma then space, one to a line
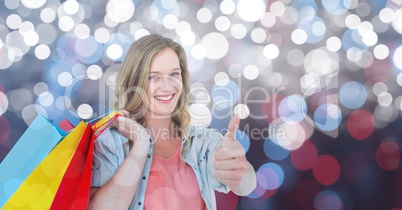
[33, 146]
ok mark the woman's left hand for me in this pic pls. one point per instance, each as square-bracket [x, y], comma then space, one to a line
[230, 163]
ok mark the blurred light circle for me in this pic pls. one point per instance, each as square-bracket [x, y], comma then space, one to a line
[242, 110]
[88, 50]
[31, 38]
[187, 38]
[42, 52]
[299, 36]
[384, 99]
[40, 87]
[250, 72]
[94, 72]
[15, 54]
[63, 103]
[327, 200]
[227, 7]
[25, 27]
[370, 38]
[273, 151]
[238, 31]
[222, 23]
[381, 51]
[66, 23]
[33, 4]
[353, 95]
[81, 31]
[46, 99]
[326, 170]
[11, 4]
[304, 158]
[251, 10]
[244, 139]
[360, 124]
[19, 98]
[65, 79]
[273, 174]
[385, 114]
[315, 29]
[379, 88]
[48, 15]
[216, 45]
[292, 108]
[271, 51]
[352, 21]
[31, 111]
[198, 51]
[84, 111]
[388, 155]
[336, 7]
[225, 96]
[200, 115]
[334, 44]
[328, 117]
[258, 35]
[204, 15]
[221, 79]
[71, 7]
[288, 135]
[114, 51]
[102, 35]
[352, 39]
[13, 21]
[3, 103]
[268, 19]
[120, 10]
[396, 58]
[235, 70]
[141, 33]
[274, 79]
[399, 79]
[47, 33]
[386, 15]
[170, 21]
[310, 83]
[398, 103]
[295, 57]
[277, 8]
[182, 26]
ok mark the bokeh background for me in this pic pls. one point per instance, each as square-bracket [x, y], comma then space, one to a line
[317, 83]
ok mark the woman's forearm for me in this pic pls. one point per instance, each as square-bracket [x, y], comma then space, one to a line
[119, 191]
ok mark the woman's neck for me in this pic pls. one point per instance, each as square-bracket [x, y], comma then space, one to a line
[160, 128]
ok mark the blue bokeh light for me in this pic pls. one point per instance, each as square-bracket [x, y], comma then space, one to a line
[327, 117]
[353, 95]
[292, 108]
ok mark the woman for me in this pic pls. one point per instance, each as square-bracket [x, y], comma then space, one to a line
[154, 160]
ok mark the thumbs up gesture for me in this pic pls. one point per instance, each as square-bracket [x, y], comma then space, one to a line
[231, 165]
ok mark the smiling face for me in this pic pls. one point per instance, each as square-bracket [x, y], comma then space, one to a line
[164, 85]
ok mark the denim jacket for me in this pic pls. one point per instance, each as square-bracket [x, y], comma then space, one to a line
[111, 148]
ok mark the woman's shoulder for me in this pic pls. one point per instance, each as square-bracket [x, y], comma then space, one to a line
[111, 136]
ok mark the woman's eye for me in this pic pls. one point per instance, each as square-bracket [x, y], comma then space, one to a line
[175, 74]
[153, 77]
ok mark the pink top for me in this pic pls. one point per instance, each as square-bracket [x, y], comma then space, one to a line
[172, 185]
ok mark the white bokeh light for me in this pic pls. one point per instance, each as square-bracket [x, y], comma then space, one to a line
[48, 15]
[238, 31]
[31, 38]
[85, 111]
[120, 10]
[200, 115]
[42, 51]
[33, 4]
[102, 35]
[216, 45]
[65, 79]
[227, 7]
[381, 51]
[222, 23]
[271, 51]
[94, 72]
[82, 31]
[114, 51]
[242, 110]
[71, 7]
[221, 79]
[334, 44]
[299, 36]
[204, 15]
[250, 72]
[46, 99]
[397, 57]
[258, 35]
[251, 10]
[198, 51]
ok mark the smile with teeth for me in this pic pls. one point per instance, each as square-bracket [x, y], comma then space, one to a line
[164, 98]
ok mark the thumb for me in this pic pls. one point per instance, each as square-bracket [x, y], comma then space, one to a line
[230, 136]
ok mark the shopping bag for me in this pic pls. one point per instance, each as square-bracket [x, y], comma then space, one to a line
[74, 188]
[38, 189]
[37, 141]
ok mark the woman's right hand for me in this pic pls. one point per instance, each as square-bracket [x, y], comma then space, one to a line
[131, 128]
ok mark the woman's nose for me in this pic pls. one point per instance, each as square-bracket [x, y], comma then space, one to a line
[167, 83]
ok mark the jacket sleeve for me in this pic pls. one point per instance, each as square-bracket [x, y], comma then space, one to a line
[108, 156]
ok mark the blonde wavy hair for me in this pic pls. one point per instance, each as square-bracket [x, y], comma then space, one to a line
[132, 81]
